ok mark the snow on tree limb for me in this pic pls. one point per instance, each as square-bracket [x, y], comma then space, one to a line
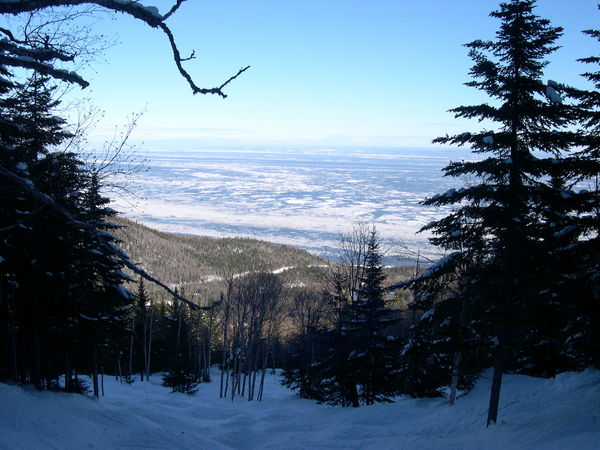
[27, 186]
[148, 14]
[34, 53]
[43, 68]
[131, 7]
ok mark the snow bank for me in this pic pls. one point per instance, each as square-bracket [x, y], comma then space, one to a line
[534, 414]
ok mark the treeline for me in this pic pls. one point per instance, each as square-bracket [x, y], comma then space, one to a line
[263, 322]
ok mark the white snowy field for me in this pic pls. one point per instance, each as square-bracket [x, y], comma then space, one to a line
[560, 413]
[299, 197]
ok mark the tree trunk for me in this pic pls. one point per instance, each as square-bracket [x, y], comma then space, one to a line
[144, 345]
[119, 374]
[234, 376]
[224, 352]
[262, 376]
[496, 385]
[226, 383]
[13, 333]
[454, 383]
[149, 345]
[209, 349]
[177, 342]
[130, 374]
[68, 381]
[190, 359]
[95, 374]
[37, 360]
[273, 368]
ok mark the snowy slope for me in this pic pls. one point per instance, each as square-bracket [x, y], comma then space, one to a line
[560, 413]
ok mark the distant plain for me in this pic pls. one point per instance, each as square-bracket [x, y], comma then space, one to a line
[304, 198]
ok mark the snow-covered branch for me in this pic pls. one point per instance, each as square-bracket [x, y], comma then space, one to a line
[148, 14]
[27, 62]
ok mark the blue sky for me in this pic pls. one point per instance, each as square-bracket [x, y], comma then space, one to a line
[324, 73]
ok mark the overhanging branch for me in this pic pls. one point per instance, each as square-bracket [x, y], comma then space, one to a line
[186, 75]
[147, 14]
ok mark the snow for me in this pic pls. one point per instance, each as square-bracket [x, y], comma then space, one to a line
[553, 84]
[565, 231]
[153, 10]
[553, 95]
[83, 316]
[565, 195]
[534, 413]
[440, 264]
[427, 315]
[450, 193]
[123, 291]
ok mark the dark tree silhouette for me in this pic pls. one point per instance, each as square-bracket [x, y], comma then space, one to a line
[503, 227]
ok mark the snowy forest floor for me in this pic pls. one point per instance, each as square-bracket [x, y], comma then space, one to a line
[558, 413]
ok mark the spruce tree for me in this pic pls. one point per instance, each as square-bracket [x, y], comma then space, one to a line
[496, 230]
[66, 277]
[355, 361]
[375, 353]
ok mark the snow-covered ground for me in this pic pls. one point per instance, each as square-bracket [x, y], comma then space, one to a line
[560, 413]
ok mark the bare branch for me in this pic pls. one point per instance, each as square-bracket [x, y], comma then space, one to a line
[186, 75]
[173, 9]
[232, 78]
[10, 35]
[189, 58]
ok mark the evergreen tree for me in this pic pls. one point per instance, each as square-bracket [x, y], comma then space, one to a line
[356, 361]
[65, 273]
[34, 241]
[376, 355]
[496, 231]
[141, 332]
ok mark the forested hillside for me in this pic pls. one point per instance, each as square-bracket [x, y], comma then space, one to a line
[198, 263]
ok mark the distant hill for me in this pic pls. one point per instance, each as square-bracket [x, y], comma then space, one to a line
[197, 264]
